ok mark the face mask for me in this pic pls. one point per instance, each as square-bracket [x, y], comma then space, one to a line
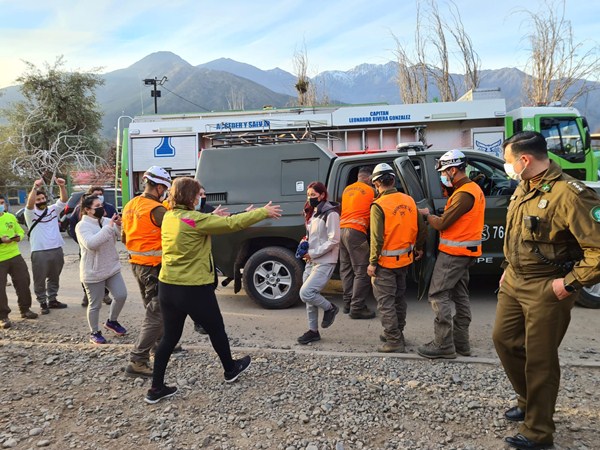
[445, 181]
[202, 202]
[314, 201]
[510, 171]
[99, 212]
[101, 198]
[41, 205]
[2, 208]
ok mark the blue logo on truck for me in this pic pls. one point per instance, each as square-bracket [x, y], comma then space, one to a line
[165, 149]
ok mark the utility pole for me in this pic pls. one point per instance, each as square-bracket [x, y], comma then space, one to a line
[155, 93]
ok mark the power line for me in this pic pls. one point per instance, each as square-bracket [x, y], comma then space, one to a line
[183, 98]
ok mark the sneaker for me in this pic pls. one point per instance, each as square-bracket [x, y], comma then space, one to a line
[308, 337]
[433, 351]
[84, 301]
[240, 367]
[55, 304]
[364, 313]
[115, 327]
[28, 314]
[155, 395]
[138, 369]
[329, 316]
[5, 323]
[107, 300]
[199, 328]
[44, 308]
[97, 338]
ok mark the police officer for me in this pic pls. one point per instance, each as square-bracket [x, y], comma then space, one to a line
[397, 234]
[552, 250]
[354, 245]
[460, 228]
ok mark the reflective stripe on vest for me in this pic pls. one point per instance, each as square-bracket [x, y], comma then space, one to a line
[450, 243]
[402, 251]
[149, 253]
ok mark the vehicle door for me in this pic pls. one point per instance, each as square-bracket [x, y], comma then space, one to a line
[411, 184]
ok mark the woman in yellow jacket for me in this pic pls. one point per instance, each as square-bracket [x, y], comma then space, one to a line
[187, 278]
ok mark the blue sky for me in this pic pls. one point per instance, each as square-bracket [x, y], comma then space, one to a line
[338, 35]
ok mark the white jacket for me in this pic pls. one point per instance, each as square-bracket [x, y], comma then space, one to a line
[323, 233]
[99, 257]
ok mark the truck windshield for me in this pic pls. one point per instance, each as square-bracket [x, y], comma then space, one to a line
[563, 137]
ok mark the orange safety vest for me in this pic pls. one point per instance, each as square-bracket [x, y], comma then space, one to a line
[400, 230]
[356, 206]
[463, 237]
[143, 238]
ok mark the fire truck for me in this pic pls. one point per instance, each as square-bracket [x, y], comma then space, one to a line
[478, 120]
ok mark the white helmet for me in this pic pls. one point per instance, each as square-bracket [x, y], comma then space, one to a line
[452, 158]
[158, 175]
[382, 169]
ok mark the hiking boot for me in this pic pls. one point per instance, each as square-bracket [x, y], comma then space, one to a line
[5, 323]
[346, 308]
[85, 301]
[382, 338]
[28, 314]
[97, 338]
[308, 337]
[240, 367]
[115, 327]
[55, 304]
[364, 313]
[329, 316]
[107, 300]
[463, 350]
[433, 351]
[44, 308]
[155, 395]
[138, 369]
[199, 328]
[392, 347]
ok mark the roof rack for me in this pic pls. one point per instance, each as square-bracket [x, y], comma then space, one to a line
[253, 138]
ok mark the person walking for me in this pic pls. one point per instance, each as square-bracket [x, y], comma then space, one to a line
[142, 221]
[397, 238]
[322, 219]
[354, 245]
[552, 250]
[188, 277]
[46, 242]
[461, 228]
[100, 267]
[13, 264]
[109, 211]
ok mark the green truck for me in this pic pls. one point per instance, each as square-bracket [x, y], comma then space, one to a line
[261, 258]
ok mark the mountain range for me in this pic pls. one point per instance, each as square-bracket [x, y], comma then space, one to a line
[225, 84]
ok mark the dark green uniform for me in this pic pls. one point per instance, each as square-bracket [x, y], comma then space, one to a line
[552, 231]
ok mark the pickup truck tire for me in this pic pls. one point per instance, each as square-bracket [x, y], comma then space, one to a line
[589, 297]
[272, 278]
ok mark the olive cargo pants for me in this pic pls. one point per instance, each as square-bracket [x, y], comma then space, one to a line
[389, 286]
[530, 325]
[354, 260]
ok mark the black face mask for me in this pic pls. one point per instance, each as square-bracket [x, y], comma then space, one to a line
[41, 205]
[314, 201]
[99, 212]
[202, 202]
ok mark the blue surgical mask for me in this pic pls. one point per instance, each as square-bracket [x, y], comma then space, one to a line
[445, 181]
[101, 198]
[2, 208]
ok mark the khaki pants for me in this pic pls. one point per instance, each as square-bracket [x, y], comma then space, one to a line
[389, 286]
[450, 286]
[530, 325]
[152, 326]
[354, 260]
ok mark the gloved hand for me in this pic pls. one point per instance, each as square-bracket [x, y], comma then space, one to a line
[302, 249]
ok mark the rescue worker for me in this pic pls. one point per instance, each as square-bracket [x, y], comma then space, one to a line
[142, 219]
[460, 227]
[354, 245]
[397, 237]
[552, 250]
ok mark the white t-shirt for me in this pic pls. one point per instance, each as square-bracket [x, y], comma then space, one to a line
[46, 234]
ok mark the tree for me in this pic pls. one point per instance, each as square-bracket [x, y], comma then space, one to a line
[57, 126]
[302, 80]
[558, 66]
[432, 56]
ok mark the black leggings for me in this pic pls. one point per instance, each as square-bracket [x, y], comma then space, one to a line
[200, 303]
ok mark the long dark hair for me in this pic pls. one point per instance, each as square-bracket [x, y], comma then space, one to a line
[320, 189]
[86, 202]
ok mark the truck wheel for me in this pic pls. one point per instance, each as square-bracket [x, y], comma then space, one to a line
[589, 297]
[272, 278]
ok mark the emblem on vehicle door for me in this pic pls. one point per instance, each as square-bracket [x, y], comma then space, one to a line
[164, 149]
